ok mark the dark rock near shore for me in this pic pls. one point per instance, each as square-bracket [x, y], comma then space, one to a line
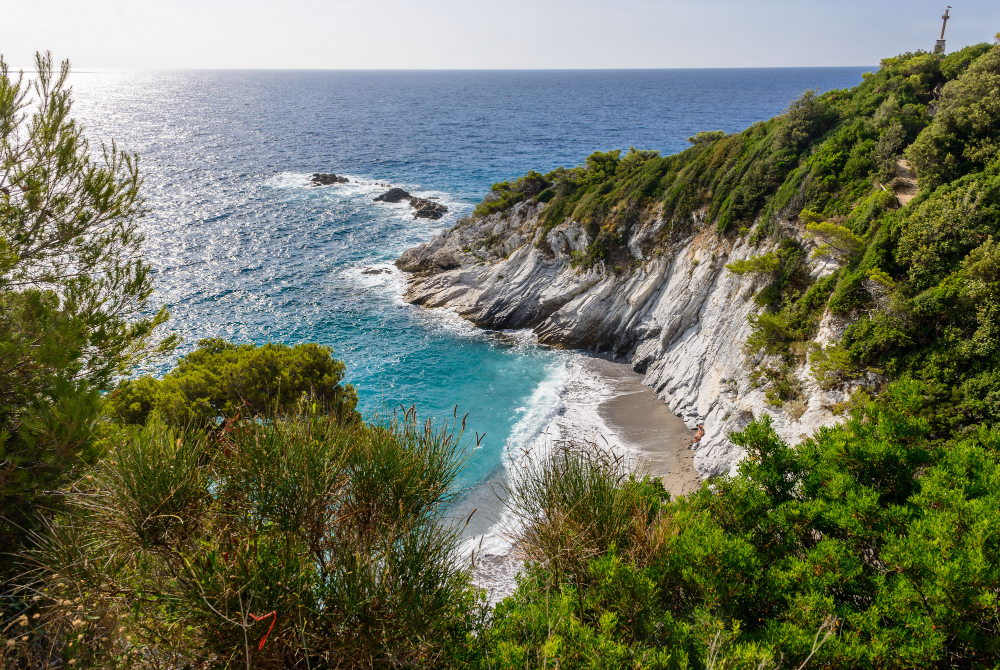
[425, 209]
[393, 195]
[327, 179]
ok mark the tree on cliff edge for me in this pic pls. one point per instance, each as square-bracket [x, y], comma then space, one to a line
[74, 290]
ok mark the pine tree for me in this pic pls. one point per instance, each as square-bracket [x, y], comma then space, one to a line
[74, 291]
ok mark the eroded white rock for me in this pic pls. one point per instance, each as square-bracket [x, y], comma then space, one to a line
[680, 315]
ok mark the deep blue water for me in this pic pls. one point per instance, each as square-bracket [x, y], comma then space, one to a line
[243, 248]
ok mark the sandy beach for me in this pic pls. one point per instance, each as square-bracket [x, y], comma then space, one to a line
[643, 423]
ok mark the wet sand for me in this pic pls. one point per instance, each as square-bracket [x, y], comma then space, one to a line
[643, 423]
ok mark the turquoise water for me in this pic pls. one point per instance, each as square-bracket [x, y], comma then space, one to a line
[243, 248]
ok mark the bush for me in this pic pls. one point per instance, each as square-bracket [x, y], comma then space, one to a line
[298, 540]
[838, 241]
[964, 134]
[871, 529]
[504, 195]
[220, 379]
[707, 136]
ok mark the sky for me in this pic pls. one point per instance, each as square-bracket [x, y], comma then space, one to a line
[478, 34]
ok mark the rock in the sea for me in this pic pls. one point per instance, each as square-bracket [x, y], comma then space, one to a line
[393, 195]
[327, 179]
[376, 271]
[427, 209]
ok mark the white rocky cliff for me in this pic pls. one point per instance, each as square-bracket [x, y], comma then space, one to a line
[678, 314]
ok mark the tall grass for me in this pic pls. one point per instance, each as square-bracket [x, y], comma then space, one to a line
[577, 503]
[294, 542]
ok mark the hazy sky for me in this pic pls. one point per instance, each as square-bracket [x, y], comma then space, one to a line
[482, 33]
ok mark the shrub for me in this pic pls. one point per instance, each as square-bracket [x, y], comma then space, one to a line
[220, 379]
[504, 195]
[707, 136]
[574, 505]
[837, 240]
[871, 529]
[964, 134]
[298, 540]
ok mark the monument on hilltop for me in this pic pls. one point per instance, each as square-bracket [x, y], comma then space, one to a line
[939, 47]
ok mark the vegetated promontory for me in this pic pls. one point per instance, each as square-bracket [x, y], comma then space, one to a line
[773, 271]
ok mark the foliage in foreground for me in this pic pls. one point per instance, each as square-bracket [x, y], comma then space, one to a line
[870, 530]
[220, 379]
[295, 542]
[74, 292]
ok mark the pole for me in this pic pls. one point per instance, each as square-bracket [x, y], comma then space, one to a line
[939, 47]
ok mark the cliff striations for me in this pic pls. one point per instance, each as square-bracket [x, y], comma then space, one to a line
[680, 316]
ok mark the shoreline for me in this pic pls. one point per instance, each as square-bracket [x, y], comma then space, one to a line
[645, 425]
[601, 400]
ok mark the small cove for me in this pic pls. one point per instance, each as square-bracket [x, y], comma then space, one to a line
[243, 247]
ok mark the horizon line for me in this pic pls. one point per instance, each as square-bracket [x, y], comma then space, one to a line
[391, 69]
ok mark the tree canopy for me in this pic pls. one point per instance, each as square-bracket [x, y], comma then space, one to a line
[74, 288]
[220, 379]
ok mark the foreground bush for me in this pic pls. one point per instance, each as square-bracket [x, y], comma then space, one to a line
[871, 530]
[75, 293]
[299, 542]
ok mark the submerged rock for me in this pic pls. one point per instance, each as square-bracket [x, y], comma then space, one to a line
[427, 209]
[327, 179]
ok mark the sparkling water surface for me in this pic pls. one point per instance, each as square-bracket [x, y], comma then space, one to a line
[243, 248]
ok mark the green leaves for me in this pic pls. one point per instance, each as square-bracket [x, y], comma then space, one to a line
[74, 289]
[183, 540]
[837, 240]
[963, 137]
[222, 380]
[869, 528]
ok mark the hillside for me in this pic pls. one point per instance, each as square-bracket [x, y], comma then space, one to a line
[774, 271]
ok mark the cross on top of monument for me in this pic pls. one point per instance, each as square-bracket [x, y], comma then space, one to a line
[939, 47]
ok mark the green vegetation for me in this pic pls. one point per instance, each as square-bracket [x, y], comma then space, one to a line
[294, 542]
[965, 135]
[74, 293]
[237, 512]
[871, 545]
[221, 380]
[504, 195]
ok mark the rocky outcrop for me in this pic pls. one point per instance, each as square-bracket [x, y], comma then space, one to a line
[427, 209]
[679, 315]
[327, 180]
[393, 195]
[423, 208]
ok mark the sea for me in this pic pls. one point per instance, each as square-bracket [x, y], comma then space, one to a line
[243, 247]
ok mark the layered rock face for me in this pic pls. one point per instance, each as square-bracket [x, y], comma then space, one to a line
[679, 316]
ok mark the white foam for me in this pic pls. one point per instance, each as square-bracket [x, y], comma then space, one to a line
[364, 189]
